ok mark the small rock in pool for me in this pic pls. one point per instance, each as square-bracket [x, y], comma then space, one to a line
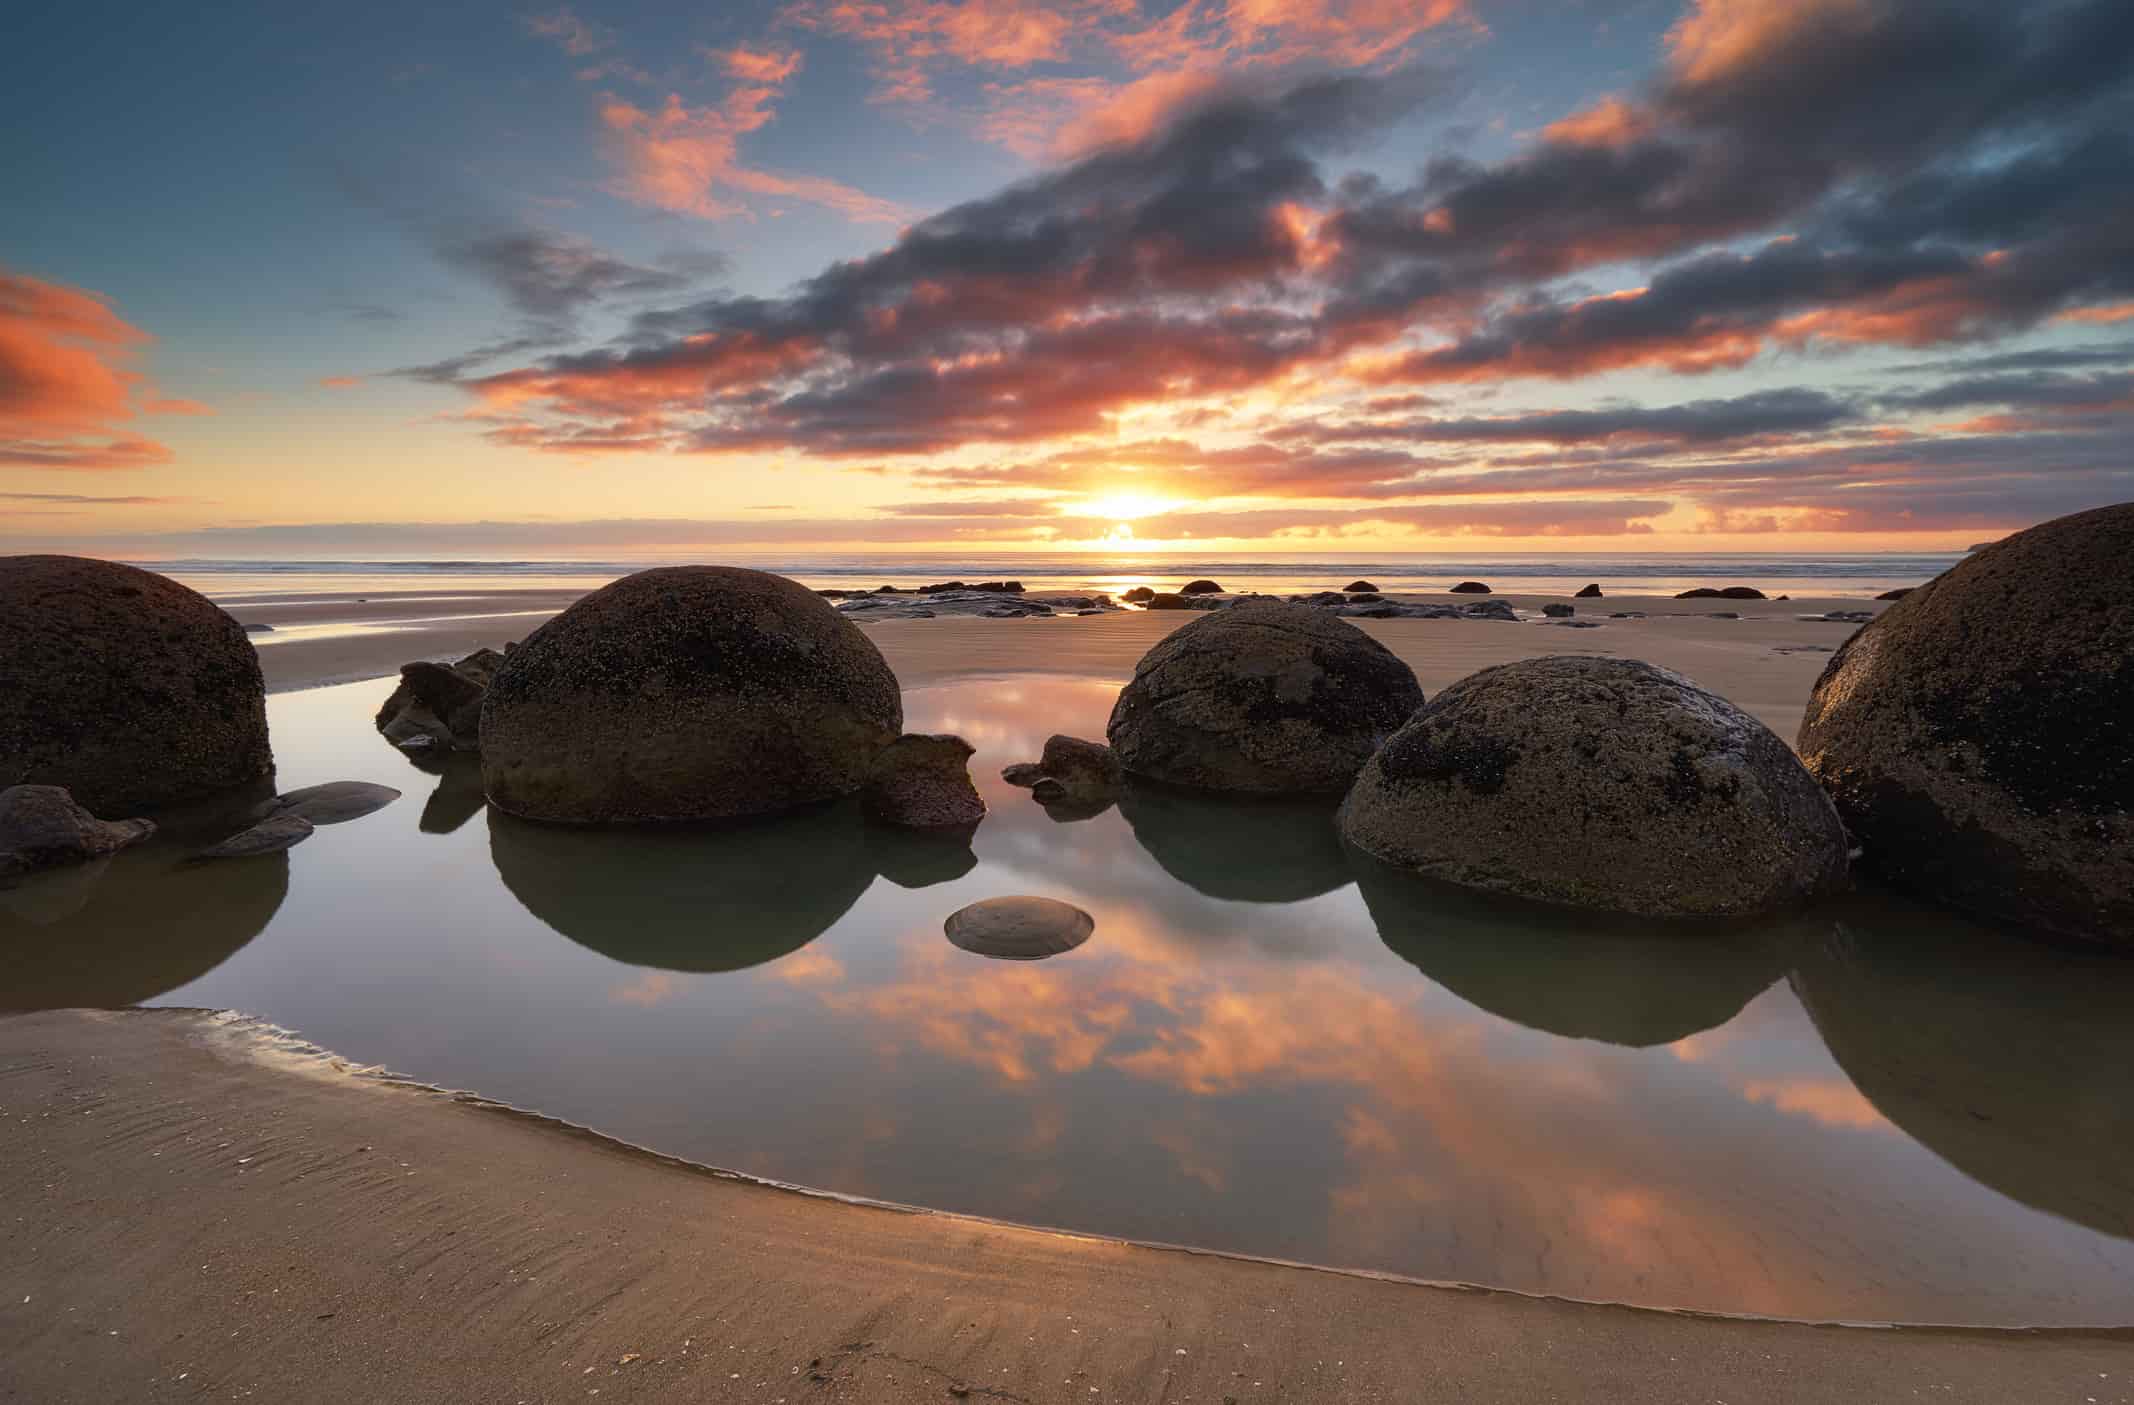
[1019, 929]
[269, 836]
[41, 827]
[335, 802]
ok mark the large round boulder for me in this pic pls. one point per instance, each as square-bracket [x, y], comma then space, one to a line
[1978, 735]
[123, 686]
[1598, 783]
[1264, 698]
[686, 693]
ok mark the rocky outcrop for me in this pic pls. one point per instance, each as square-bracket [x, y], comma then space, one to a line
[41, 827]
[1019, 929]
[1598, 783]
[1072, 773]
[1264, 697]
[439, 705]
[124, 687]
[684, 693]
[1469, 588]
[923, 781]
[1588, 592]
[1978, 736]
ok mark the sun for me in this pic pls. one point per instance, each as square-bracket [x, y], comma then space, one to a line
[1125, 507]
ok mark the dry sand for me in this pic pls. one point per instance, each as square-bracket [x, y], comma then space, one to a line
[1765, 662]
[194, 1213]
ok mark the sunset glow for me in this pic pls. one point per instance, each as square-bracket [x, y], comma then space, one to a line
[928, 275]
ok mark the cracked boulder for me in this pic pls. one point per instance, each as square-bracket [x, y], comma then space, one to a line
[1263, 698]
[923, 781]
[1978, 735]
[1598, 783]
[439, 705]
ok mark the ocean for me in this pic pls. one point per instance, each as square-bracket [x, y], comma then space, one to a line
[1862, 575]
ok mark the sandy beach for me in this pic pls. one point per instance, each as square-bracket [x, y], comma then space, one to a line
[198, 1211]
[1765, 661]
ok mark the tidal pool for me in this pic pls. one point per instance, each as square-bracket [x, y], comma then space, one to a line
[1268, 1046]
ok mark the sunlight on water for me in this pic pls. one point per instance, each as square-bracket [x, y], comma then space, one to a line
[1866, 1112]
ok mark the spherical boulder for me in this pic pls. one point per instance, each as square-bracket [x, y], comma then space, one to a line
[1263, 698]
[1978, 735]
[1598, 783]
[124, 687]
[686, 693]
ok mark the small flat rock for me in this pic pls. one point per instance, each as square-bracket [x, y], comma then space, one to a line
[269, 836]
[1019, 929]
[334, 802]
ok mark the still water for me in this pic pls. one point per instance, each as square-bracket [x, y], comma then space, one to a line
[1868, 1112]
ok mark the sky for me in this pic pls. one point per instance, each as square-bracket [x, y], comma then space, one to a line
[1301, 277]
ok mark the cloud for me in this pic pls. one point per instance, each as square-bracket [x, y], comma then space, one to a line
[85, 500]
[569, 33]
[66, 388]
[546, 274]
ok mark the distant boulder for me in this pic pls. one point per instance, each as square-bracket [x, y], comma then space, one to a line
[1731, 592]
[42, 827]
[687, 693]
[1202, 587]
[1264, 697]
[1469, 588]
[1598, 783]
[1588, 592]
[922, 781]
[1140, 595]
[124, 687]
[1556, 610]
[1978, 736]
[1168, 602]
[1365, 586]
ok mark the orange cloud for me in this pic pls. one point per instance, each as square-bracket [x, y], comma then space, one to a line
[1609, 122]
[687, 159]
[65, 388]
[339, 382]
[1721, 40]
[2100, 316]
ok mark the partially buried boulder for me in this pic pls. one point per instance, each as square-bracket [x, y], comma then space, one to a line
[41, 827]
[688, 692]
[1588, 592]
[1202, 587]
[1364, 586]
[1978, 736]
[1140, 595]
[1558, 611]
[1263, 698]
[123, 686]
[923, 782]
[1598, 783]
[1470, 588]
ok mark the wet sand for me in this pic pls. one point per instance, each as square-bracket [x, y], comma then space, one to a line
[1766, 661]
[195, 1211]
